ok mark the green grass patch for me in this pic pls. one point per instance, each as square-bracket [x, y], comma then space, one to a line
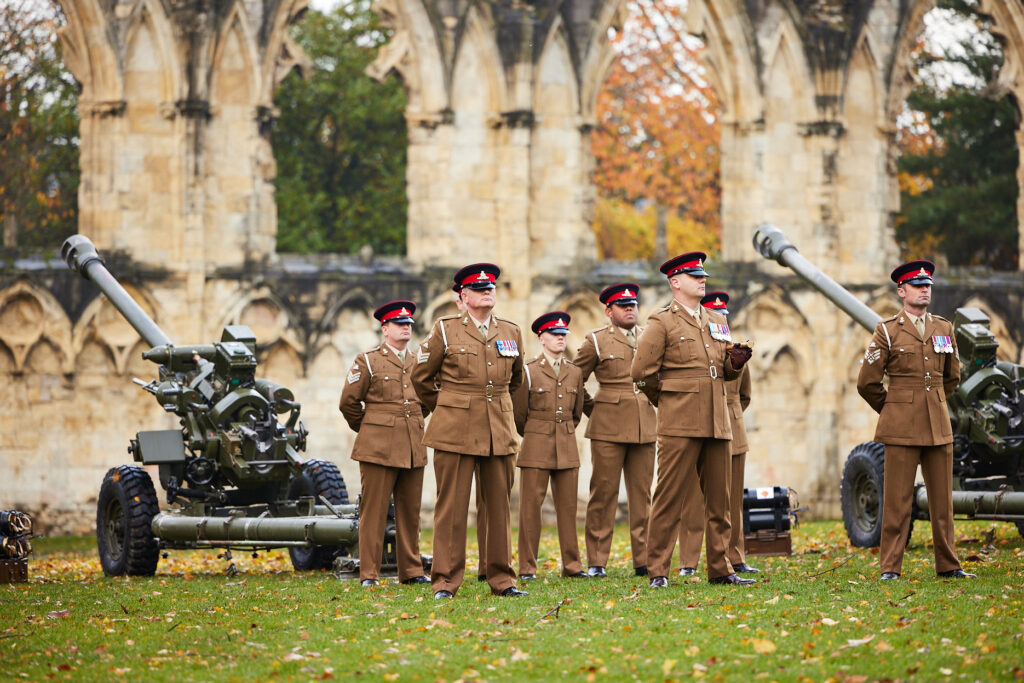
[818, 615]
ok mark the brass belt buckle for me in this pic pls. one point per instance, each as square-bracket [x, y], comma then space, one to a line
[928, 382]
[489, 391]
[714, 372]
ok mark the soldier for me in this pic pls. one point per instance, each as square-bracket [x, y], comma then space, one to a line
[465, 371]
[548, 406]
[379, 403]
[691, 533]
[621, 430]
[683, 358]
[916, 350]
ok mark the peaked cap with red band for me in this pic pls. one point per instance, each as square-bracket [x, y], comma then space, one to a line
[555, 322]
[716, 301]
[395, 312]
[623, 294]
[477, 276]
[690, 263]
[914, 273]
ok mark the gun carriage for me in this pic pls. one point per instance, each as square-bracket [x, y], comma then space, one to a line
[232, 472]
[986, 412]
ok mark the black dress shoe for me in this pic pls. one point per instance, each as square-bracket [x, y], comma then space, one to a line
[890, 576]
[527, 577]
[481, 577]
[443, 595]
[596, 573]
[659, 582]
[731, 579]
[687, 571]
[577, 575]
[417, 579]
[370, 582]
[512, 592]
[640, 571]
[957, 574]
[744, 568]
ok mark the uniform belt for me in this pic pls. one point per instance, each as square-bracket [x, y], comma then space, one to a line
[489, 391]
[618, 386]
[689, 373]
[412, 408]
[549, 417]
[903, 382]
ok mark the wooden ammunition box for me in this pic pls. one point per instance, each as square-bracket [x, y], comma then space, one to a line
[768, 542]
[13, 571]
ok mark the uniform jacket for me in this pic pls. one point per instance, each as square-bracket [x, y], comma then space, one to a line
[913, 411]
[683, 371]
[737, 396]
[379, 402]
[618, 412]
[547, 409]
[466, 382]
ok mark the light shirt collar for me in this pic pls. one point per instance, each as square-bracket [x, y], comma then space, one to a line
[552, 359]
[480, 323]
[394, 350]
[695, 314]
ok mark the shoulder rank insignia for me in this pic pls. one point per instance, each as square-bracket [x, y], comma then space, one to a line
[506, 348]
[719, 332]
[942, 344]
[871, 355]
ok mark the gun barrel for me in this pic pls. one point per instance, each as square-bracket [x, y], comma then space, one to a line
[81, 256]
[772, 244]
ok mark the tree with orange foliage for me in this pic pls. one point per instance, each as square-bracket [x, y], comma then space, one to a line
[38, 129]
[656, 143]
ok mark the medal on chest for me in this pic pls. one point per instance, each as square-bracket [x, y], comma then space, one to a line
[942, 344]
[506, 348]
[719, 332]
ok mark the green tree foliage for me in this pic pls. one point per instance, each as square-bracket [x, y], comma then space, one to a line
[38, 129]
[959, 189]
[340, 142]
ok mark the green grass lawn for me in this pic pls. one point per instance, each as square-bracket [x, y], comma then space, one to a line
[818, 615]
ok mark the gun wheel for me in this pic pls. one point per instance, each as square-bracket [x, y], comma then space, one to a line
[321, 478]
[861, 494]
[125, 509]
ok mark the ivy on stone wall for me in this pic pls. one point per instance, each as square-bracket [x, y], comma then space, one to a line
[340, 141]
[958, 171]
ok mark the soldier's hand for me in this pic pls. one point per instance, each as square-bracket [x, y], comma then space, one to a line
[739, 355]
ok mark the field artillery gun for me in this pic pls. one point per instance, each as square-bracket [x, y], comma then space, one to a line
[986, 412]
[231, 472]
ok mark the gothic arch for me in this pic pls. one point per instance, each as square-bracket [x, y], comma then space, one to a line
[30, 315]
[88, 54]
[478, 78]
[729, 56]
[148, 19]
[597, 60]
[414, 54]
[234, 62]
[900, 80]
[282, 53]
[101, 323]
[269, 311]
[782, 329]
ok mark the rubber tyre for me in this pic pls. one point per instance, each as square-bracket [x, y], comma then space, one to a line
[861, 494]
[124, 514]
[322, 478]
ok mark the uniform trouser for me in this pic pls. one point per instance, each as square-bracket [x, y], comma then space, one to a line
[481, 515]
[691, 532]
[533, 486]
[681, 458]
[612, 460]
[898, 492]
[379, 483]
[454, 474]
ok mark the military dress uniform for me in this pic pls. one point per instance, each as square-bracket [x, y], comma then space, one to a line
[622, 430]
[913, 423]
[465, 379]
[380, 403]
[691, 534]
[682, 364]
[548, 406]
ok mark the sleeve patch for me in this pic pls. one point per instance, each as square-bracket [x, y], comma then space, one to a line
[353, 377]
[422, 356]
[872, 355]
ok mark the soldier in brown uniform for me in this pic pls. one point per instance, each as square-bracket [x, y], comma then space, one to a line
[691, 534]
[548, 406]
[916, 350]
[683, 358]
[379, 403]
[465, 371]
[622, 431]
